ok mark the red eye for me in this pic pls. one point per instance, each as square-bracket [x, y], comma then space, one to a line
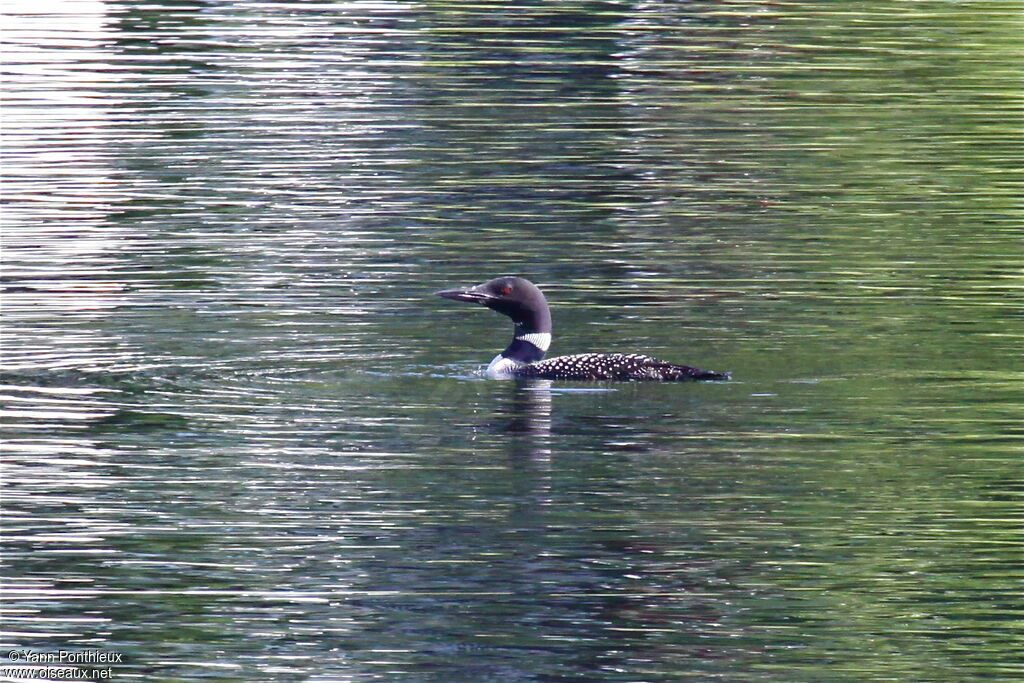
[506, 290]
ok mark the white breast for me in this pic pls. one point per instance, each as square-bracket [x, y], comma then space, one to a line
[501, 367]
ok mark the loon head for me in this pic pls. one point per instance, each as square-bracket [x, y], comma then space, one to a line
[516, 297]
[520, 300]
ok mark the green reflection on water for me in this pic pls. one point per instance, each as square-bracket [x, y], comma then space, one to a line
[243, 431]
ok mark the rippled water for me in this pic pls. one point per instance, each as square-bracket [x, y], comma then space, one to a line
[244, 441]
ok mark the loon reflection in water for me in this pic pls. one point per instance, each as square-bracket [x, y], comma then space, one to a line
[522, 301]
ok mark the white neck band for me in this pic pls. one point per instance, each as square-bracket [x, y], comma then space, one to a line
[542, 340]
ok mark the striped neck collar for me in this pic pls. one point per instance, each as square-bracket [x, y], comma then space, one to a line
[542, 340]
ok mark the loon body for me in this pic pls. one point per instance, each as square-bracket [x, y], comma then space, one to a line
[522, 301]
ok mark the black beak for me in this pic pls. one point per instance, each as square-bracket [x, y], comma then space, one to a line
[473, 295]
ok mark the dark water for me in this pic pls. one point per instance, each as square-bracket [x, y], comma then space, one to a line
[243, 441]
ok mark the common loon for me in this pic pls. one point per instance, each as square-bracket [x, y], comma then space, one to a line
[522, 301]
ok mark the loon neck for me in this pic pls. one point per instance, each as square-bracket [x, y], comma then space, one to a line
[528, 348]
[531, 333]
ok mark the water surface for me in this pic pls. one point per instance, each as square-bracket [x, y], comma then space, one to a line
[243, 441]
